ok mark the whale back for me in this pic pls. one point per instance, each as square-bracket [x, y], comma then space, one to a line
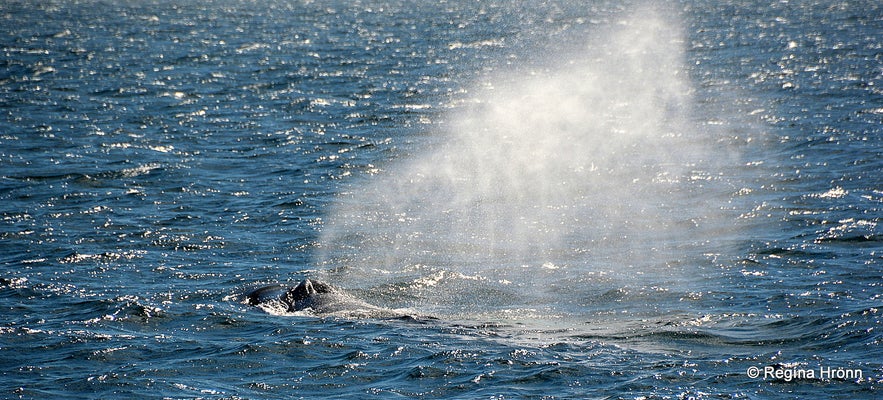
[317, 296]
[265, 294]
[320, 298]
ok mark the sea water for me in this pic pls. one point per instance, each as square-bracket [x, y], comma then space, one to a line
[591, 199]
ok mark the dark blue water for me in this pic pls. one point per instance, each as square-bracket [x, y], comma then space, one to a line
[594, 200]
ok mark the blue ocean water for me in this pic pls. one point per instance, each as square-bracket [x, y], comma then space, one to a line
[591, 199]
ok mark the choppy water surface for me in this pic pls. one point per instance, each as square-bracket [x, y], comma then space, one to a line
[593, 200]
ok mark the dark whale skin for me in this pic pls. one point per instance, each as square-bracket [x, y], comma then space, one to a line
[320, 298]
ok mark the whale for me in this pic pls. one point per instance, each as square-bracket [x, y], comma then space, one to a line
[308, 294]
[314, 297]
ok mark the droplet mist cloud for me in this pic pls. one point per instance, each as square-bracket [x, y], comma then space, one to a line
[590, 163]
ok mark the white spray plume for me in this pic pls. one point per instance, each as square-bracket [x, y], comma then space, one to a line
[587, 164]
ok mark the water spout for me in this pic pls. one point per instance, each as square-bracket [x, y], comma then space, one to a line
[581, 168]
